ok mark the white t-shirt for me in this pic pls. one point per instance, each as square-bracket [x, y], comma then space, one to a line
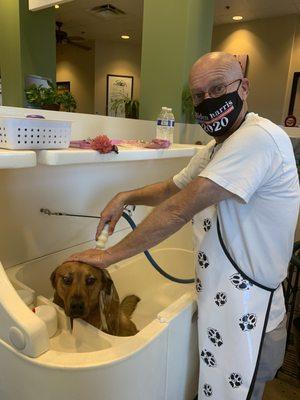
[256, 163]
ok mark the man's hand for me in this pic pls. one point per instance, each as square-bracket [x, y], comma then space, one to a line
[111, 214]
[96, 258]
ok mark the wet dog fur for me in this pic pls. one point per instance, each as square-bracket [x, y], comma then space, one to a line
[89, 293]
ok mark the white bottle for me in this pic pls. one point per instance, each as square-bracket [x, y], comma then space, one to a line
[102, 239]
[171, 125]
[162, 124]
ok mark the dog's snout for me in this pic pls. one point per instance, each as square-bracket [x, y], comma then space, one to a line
[77, 308]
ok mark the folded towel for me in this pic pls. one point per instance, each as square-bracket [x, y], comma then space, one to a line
[104, 145]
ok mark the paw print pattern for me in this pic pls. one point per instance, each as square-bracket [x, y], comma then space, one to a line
[239, 282]
[208, 358]
[207, 224]
[235, 380]
[203, 259]
[247, 322]
[207, 390]
[198, 285]
[220, 299]
[215, 337]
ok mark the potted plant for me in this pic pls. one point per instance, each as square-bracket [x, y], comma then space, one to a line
[131, 107]
[67, 102]
[48, 98]
[188, 106]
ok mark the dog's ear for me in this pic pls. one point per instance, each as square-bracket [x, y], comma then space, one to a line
[53, 278]
[56, 299]
[107, 281]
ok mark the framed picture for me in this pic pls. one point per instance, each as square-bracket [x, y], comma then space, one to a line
[63, 87]
[118, 89]
[294, 106]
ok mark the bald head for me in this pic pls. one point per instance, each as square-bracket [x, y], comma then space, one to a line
[214, 69]
[217, 63]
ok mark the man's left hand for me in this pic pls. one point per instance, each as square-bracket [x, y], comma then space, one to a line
[93, 257]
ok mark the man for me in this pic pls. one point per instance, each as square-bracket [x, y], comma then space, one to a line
[242, 193]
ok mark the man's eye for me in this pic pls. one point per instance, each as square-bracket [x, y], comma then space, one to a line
[67, 280]
[200, 95]
[217, 89]
[90, 280]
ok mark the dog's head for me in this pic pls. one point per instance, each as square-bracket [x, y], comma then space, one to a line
[78, 286]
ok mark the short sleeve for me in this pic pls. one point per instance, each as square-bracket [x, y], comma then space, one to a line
[194, 168]
[243, 162]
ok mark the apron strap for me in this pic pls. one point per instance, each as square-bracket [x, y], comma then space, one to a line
[234, 264]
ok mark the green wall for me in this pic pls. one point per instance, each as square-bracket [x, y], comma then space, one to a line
[175, 34]
[10, 53]
[27, 46]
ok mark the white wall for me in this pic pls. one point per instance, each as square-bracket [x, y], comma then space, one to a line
[117, 59]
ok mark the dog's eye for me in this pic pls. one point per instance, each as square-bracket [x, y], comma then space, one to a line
[67, 280]
[90, 280]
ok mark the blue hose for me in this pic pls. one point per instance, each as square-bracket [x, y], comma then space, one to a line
[152, 261]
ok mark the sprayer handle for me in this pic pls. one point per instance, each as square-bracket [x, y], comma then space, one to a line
[102, 239]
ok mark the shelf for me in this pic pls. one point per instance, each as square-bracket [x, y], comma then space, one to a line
[10, 159]
[78, 156]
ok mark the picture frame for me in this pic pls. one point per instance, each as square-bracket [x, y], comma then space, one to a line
[118, 88]
[295, 95]
[63, 87]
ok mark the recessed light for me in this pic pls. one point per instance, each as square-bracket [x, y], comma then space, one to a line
[125, 37]
[237, 17]
[56, 6]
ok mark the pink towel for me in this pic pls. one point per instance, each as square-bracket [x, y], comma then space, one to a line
[81, 144]
[104, 145]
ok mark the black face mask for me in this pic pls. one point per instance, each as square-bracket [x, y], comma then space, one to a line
[217, 115]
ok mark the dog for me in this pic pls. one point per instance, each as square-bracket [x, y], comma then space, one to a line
[89, 293]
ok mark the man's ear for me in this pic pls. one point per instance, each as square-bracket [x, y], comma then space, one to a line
[245, 88]
[53, 278]
[107, 282]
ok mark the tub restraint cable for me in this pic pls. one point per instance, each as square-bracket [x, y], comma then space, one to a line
[132, 224]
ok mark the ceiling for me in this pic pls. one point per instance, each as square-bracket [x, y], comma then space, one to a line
[253, 9]
[79, 22]
[76, 19]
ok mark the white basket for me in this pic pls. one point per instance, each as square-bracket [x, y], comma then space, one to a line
[18, 133]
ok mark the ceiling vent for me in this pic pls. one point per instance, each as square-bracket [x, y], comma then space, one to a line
[106, 11]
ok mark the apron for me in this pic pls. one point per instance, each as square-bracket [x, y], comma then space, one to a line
[233, 314]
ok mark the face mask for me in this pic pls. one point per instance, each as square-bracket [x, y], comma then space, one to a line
[217, 115]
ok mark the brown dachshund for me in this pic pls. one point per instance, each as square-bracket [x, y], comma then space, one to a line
[89, 293]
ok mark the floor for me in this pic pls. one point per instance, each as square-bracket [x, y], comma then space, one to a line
[282, 388]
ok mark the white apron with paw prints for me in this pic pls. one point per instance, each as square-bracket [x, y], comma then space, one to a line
[233, 315]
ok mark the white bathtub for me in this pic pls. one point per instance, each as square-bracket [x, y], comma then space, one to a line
[159, 363]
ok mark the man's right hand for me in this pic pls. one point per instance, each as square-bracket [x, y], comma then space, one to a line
[111, 214]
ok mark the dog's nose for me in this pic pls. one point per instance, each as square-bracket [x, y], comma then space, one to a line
[77, 308]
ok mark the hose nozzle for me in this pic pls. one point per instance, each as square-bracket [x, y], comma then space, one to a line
[102, 239]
